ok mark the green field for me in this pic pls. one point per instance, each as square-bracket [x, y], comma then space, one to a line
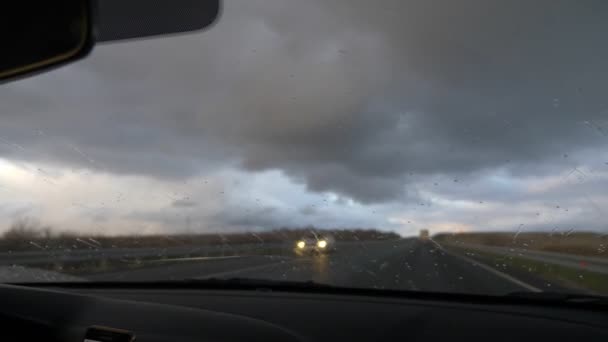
[590, 282]
[569, 242]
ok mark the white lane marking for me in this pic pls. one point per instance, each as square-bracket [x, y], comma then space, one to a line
[241, 270]
[198, 258]
[490, 269]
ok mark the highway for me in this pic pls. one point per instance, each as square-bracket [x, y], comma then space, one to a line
[408, 264]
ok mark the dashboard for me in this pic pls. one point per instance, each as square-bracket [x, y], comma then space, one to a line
[57, 314]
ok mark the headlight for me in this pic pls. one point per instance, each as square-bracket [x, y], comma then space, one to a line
[301, 244]
[321, 243]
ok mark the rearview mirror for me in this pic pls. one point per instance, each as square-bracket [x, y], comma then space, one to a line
[128, 19]
[36, 36]
[39, 35]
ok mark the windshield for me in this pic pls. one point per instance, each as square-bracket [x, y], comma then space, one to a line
[443, 146]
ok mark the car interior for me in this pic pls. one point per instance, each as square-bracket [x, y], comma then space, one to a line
[194, 312]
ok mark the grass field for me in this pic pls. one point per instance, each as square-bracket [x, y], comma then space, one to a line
[578, 243]
[26, 237]
[584, 280]
[279, 242]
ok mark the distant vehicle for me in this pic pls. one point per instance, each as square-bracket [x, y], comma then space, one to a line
[315, 244]
[424, 234]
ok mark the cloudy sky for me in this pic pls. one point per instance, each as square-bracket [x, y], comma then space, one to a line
[449, 115]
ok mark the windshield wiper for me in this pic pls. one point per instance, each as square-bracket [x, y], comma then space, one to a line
[560, 297]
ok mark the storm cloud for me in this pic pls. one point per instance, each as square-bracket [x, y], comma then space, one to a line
[372, 101]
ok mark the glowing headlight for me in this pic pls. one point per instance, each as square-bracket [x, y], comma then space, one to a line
[301, 244]
[321, 243]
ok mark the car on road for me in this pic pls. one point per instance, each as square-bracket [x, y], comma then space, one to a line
[315, 244]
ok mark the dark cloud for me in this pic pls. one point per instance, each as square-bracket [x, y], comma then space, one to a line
[308, 211]
[266, 217]
[183, 203]
[352, 97]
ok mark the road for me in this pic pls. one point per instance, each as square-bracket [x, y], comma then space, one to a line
[408, 264]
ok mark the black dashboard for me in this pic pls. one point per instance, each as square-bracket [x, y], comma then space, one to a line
[243, 315]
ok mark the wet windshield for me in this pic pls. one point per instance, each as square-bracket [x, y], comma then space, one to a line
[450, 146]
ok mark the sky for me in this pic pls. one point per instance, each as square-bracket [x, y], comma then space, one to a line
[466, 115]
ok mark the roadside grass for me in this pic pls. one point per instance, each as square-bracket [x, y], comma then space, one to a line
[568, 277]
[97, 266]
[30, 236]
[568, 242]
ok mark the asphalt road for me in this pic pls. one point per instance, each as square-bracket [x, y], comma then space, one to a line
[408, 264]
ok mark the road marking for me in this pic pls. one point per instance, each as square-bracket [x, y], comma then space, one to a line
[490, 269]
[197, 258]
[242, 270]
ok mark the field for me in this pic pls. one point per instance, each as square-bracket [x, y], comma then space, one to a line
[567, 277]
[23, 237]
[31, 245]
[578, 243]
